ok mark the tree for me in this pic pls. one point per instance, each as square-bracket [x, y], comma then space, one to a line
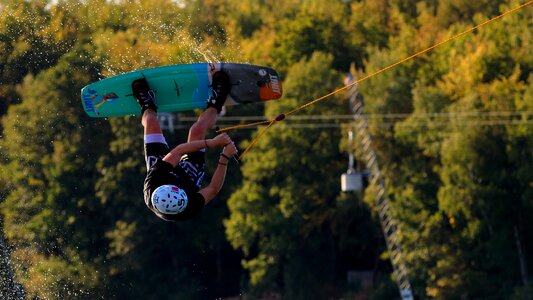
[316, 26]
[282, 218]
[433, 166]
[461, 187]
[32, 38]
[45, 196]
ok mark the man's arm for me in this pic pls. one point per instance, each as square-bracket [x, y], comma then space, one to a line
[174, 156]
[217, 181]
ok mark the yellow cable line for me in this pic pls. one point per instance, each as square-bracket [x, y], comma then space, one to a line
[282, 116]
[243, 125]
[256, 139]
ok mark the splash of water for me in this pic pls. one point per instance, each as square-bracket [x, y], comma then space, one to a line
[9, 287]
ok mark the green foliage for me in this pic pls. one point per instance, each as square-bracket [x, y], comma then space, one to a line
[42, 209]
[282, 221]
[32, 38]
[457, 172]
[454, 182]
[317, 26]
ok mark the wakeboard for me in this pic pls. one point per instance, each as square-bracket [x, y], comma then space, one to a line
[180, 87]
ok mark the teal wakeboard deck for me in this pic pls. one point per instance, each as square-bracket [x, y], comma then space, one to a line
[179, 88]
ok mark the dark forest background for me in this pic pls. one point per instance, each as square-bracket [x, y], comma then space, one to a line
[453, 130]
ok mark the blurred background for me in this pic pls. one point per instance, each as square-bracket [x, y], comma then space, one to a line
[451, 134]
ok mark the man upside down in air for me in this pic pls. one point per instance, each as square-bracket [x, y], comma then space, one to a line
[172, 188]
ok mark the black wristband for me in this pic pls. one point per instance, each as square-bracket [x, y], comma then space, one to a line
[207, 146]
[225, 156]
[222, 164]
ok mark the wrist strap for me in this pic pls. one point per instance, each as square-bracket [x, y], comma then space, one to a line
[225, 156]
[207, 146]
[222, 164]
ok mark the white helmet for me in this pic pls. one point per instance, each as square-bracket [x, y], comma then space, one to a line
[169, 199]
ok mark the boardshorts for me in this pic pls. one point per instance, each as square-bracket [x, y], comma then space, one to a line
[156, 147]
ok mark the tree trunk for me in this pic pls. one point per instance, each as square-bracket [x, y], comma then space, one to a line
[521, 256]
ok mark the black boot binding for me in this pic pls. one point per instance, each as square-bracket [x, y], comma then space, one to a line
[144, 95]
[221, 87]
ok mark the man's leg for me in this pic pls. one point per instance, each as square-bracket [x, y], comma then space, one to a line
[151, 123]
[146, 99]
[155, 145]
[220, 90]
[194, 163]
[205, 122]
